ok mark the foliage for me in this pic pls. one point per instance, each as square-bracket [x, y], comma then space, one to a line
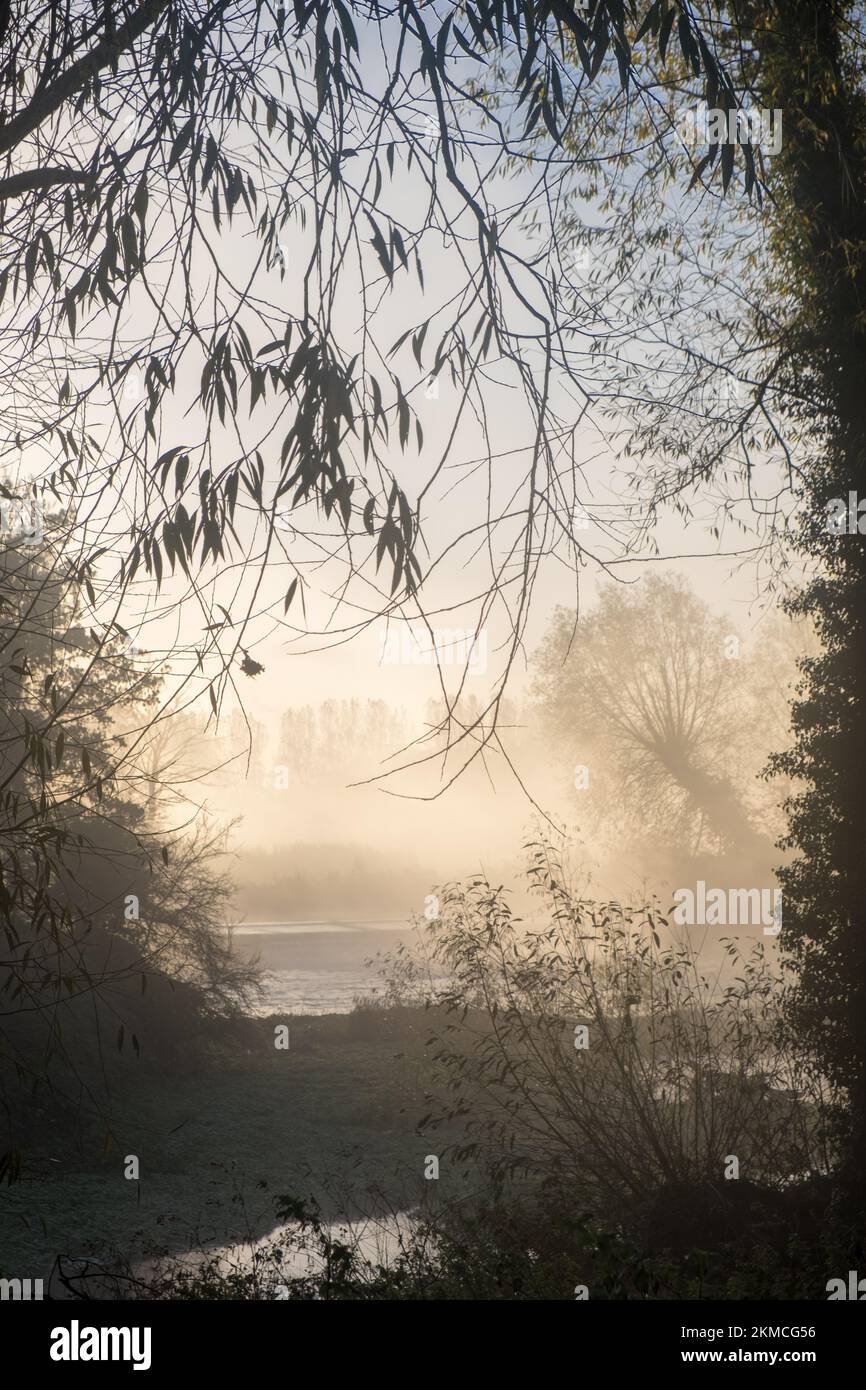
[821, 251]
[189, 202]
[590, 1053]
[97, 899]
[502, 1248]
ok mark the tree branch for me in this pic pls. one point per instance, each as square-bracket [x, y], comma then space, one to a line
[106, 51]
[39, 179]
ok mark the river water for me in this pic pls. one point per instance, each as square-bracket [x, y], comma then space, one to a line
[317, 967]
[376, 1240]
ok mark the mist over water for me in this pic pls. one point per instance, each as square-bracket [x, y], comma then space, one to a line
[317, 967]
[332, 864]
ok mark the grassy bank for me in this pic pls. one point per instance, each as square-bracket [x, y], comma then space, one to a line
[333, 1117]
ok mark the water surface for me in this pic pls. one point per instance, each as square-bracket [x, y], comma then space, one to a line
[317, 967]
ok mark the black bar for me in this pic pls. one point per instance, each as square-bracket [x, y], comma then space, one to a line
[241, 1339]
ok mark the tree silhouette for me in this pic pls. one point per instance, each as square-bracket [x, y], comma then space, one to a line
[650, 693]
